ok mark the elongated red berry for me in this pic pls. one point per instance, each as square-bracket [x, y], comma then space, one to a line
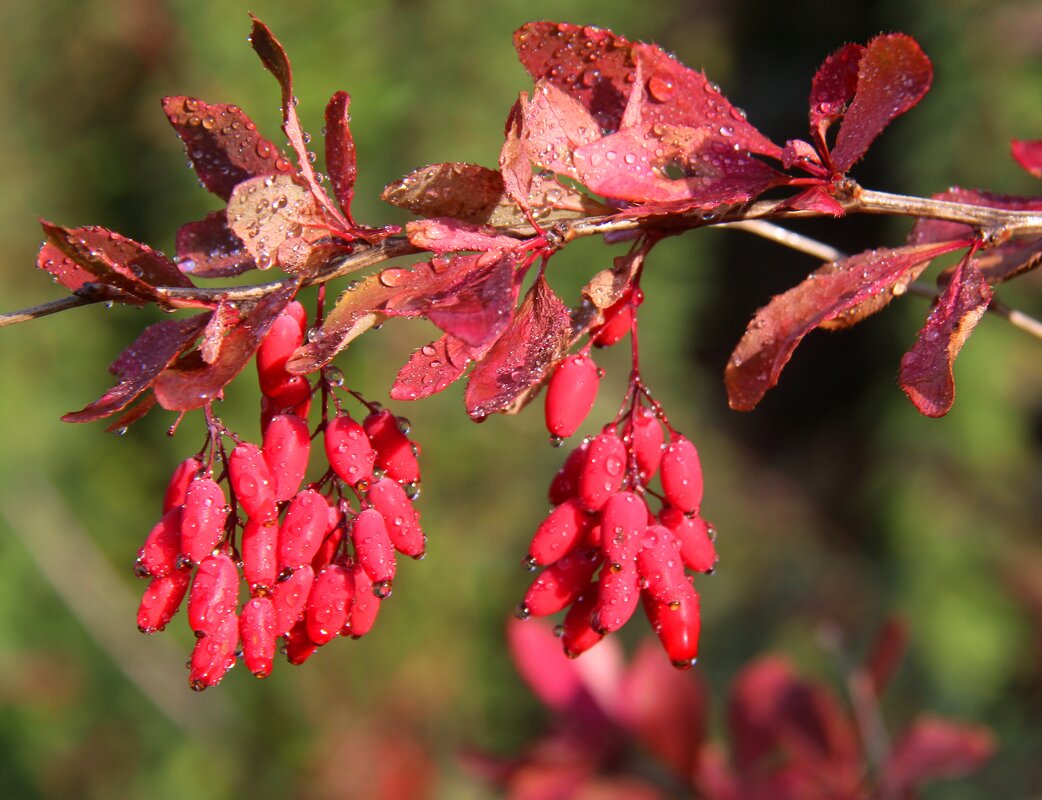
[559, 584]
[161, 600]
[393, 449]
[214, 595]
[271, 408]
[214, 654]
[365, 605]
[693, 533]
[677, 625]
[257, 634]
[559, 533]
[299, 647]
[331, 543]
[202, 519]
[259, 551]
[618, 319]
[179, 481]
[158, 555]
[403, 523]
[348, 450]
[329, 603]
[618, 593]
[566, 482]
[373, 549]
[682, 475]
[570, 394]
[577, 635]
[660, 565]
[284, 336]
[648, 438]
[286, 448]
[303, 529]
[290, 597]
[602, 474]
[623, 522]
[251, 480]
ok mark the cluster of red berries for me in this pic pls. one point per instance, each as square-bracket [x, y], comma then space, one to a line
[310, 563]
[602, 520]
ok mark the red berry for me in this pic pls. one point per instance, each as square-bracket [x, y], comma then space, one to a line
[289, 598]
[257, 633]
[158, 555]
[331, 543]
[570, 394]
[285, 335]
[214, 654]
[660, 565]
[271, 408]
[394, 453]
[329, 603]
[558, 534]
[648, 437]
[373, 549]
[251, 480]
[299, 647]
[348, 450]
[403, 523]
[560, 583]
[179, 481]
[296, 310]
[623, 522]
[364, 607]
[696, 547]
[677, 625]
[618, 593]
[303, 529]
[202, 519]
[682, 475]
[577, 635]
[602, 474]
[618, 319]
[286, 448]
[566, 482]
[161, 600]
[214, 595]
[260, 552]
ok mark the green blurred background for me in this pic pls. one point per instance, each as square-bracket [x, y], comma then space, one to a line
[837, 504]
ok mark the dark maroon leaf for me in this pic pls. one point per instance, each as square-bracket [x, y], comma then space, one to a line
[62, 268]
[208, 248]
[132, 414]
[222, 143]
[536, 338]
[340, 150]
[447, 235]
[434, 367]
[926, 369]
[893, 75]
[191, 382]
[827, 293]
[832, 89]
[1028, 153]
[139, 365]
[467, 192]
[936, 748]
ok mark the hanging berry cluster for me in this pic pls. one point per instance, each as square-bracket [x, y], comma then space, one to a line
[311, 563]
[616, 139]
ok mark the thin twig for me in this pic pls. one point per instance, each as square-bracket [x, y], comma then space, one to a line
[45, 309]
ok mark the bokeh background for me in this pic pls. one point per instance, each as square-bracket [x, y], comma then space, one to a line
[837, 505]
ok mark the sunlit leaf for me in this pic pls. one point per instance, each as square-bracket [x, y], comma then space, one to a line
[208, 248]
[466, 192]
[832, 89]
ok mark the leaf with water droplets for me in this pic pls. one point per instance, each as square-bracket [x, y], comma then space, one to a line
[434, 367]
[191, 382]
[926, 369]
[996, 264]
[893, 76]
[447, 235]
[515, 167]
[826, 294]
[222, 143]
[554, 126]
[139, 365]
[340, 150]
[63, 269]
[224, 318]
[1028, 153]
[832, 89]
[520, 358]
[466, 192]
[817, 199]
[116, 261]
[207, 248]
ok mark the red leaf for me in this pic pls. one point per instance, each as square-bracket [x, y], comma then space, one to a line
[191, 382]
[936, 748]
[887, 651]
[447, 235]
[832, 89]
[209, 249]
[926, 369]
[340, 150]
[1028, 153]
[62, 268]
[816, 199]
[514, 163]
[893, 76]
[536, 338]
[434, 367]
[827, 293]
[466, 192]
[223, 319]
[139, 365]
[555, 125]
[537, 656]
[222, 143]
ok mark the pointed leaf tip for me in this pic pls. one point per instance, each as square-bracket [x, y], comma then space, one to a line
[1028, 154]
